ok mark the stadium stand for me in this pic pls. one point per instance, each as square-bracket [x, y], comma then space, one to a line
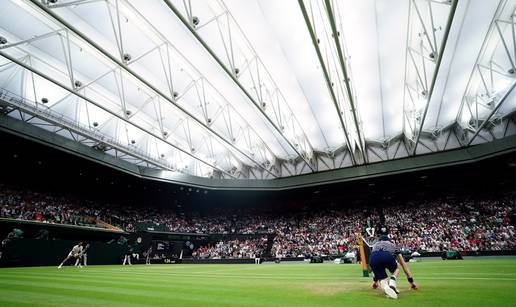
[479, 223]
[232, 249]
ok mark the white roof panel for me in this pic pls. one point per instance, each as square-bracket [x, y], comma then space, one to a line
[257, 88]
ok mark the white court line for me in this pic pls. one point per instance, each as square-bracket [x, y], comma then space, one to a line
[258, 276]
[483, 273]
[275, 277]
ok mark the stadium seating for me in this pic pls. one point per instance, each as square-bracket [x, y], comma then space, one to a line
[430, 225]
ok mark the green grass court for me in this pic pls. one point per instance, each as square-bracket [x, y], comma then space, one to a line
[472, 282]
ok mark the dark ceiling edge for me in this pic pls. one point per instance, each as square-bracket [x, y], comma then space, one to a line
[41, 136]
[404, 165]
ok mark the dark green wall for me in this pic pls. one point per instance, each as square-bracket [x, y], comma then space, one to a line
[32, 252]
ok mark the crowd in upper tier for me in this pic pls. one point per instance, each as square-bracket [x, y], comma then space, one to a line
[235, 248]
[465, 225]
[24, 204]
[433, 224]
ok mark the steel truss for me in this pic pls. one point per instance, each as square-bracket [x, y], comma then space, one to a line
[325, 33]
[41, 116]
[237, 131]
[423, 58]
[171, 103]
[450, 137]
[237, 57]
[25, 66]
[493, 78]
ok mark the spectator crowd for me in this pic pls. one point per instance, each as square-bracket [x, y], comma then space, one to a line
[433, 224]
[465, 225]
[236, 248]
[33, 206]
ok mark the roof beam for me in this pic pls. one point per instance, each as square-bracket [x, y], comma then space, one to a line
[209, 118]
[66, 88]
[70, 3]
[231, 74]
[351, 98]
[119, 62]
[495, 109]
[451, 14]
[327, 77]
[18, 103]
[500, 66]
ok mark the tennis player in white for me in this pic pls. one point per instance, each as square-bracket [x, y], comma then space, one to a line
[74, 253]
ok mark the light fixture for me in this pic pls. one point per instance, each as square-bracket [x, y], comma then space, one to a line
[127, 57]
[95, 124]
[3, 40]
[44, 100]
[385, 145]
[490, 102]
[195, 20]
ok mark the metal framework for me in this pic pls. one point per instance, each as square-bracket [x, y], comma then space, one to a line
[422, 162]
[126, 64]
[129, 88]
[424, 54]
[336, 76]
[82, 99]
[237, 57]
[345, 72]
[41, 116]
[76, 88]
[493, 78]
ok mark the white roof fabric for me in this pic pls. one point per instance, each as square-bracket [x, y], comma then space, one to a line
[260, 89]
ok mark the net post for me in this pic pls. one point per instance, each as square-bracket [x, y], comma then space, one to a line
[365, 271]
